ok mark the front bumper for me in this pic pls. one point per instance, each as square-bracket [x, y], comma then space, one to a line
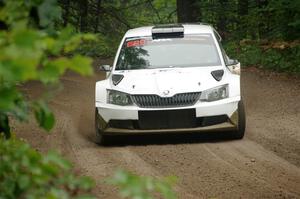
[222, 115]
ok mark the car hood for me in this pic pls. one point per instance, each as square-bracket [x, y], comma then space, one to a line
[166, 82]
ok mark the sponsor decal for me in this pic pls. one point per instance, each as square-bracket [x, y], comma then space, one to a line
[139, 42]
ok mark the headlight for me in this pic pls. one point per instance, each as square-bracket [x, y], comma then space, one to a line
[214, 94]
[118, 98]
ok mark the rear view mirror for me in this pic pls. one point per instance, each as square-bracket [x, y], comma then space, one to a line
[105, 68]
[232, 62]
[234, 66]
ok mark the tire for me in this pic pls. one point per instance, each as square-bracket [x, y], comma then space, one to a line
[100, 138]
[240, 132]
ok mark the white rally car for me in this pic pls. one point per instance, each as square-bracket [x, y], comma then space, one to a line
[170, 78]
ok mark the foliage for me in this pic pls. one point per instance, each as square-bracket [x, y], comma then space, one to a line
[235, 20]
[255, 20]
[103, 47]
[279, 56]
[137, 187]
[111, 19]
[31, 49]
[25, 173]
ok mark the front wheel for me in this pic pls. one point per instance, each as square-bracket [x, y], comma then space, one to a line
[240, 132]
[100, 138]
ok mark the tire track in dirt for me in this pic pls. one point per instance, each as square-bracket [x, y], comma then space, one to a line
[263, 165]
[101, 162]
[217, 170]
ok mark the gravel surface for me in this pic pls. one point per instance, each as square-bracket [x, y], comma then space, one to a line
[265, 164]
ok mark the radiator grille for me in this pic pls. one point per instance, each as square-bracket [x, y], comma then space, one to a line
[155, 101]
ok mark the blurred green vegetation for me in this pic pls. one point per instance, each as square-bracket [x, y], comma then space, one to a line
[35, 46]
[142, 187]
[26, 173]
[32, 49]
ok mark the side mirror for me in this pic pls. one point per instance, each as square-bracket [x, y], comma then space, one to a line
[234, 66]
[105, 68]
[232, 62]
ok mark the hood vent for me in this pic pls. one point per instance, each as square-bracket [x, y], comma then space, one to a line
[217, 74]
[116, 79]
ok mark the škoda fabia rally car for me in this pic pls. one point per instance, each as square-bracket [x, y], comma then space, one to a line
[170, 78]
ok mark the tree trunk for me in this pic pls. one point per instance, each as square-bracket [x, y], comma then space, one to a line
[188, 11]
[83, 10]
[98, 11]
[222, 19]
[262, 27]
[242, 7]
[242, 12]
[66, 6]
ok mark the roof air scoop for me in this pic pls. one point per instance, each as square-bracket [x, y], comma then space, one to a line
[116, 79]
[217, 74]
[168, 31]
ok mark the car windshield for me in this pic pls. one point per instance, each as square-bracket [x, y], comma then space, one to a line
[146, 53]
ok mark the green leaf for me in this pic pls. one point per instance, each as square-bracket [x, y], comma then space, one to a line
[81, 65]
[89, 37]
[8, 97]
[73, 43]
[53, 69]
[25, 38]
[20, 110]
[44, 116]
[19, 69]
[66, 33]
[76, 40]
[24, 182]
[55, 158]
[134, 186]
[49, 74]
[86, 183]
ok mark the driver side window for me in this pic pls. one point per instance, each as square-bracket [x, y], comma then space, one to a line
[226, 58]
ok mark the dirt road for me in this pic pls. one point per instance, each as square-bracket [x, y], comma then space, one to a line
[265, 164]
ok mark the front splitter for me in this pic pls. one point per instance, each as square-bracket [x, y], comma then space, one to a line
[226, 126]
